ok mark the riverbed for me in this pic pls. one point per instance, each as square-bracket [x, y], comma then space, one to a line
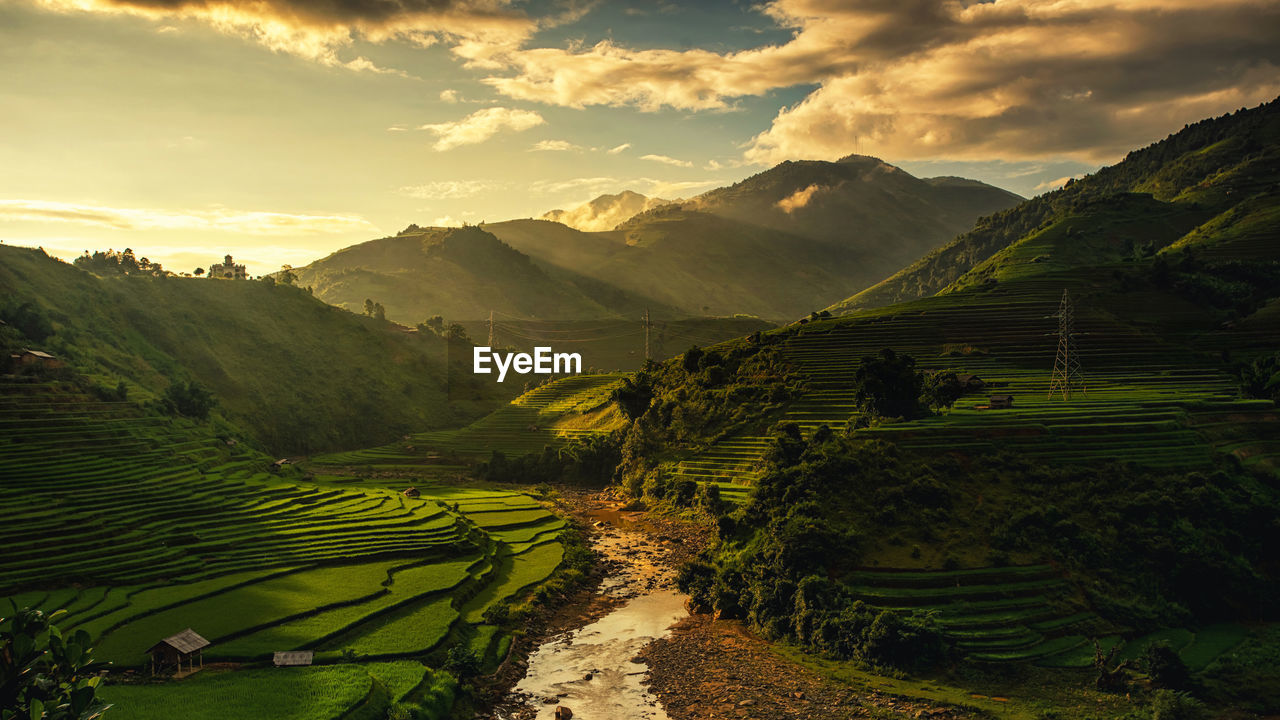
[595, 670]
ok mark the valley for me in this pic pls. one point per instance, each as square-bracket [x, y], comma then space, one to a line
[1028, 467]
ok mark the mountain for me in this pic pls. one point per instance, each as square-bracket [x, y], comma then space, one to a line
[701, 263]
[1209, 173]
[857, 202]
[605, 212]
[777, 244]
[461, 274]
[294, 374]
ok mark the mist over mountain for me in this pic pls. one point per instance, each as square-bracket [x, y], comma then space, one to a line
[605, 212]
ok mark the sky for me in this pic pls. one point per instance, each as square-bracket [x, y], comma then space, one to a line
[282, 130]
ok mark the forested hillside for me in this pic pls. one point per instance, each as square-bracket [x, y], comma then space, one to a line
[1210, 172]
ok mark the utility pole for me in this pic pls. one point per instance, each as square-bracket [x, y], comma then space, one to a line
[646, 334]
[491, 336]
[1067, 373]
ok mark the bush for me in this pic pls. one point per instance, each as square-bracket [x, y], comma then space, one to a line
[887, 385]
[1165, 667]
[189, 399]
[1171, 705]
[43, 674]
[461, 662]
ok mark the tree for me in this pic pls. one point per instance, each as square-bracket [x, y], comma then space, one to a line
[189, 399]
[379, 312]
[1261, 378]
[435, 324]
[887, 385]
[634, 395]
[44, 676]
[198, 272]
[940, 389]
[368, 307]
[692, 357]
[1165, 667]
[29, 321]
[287, 276]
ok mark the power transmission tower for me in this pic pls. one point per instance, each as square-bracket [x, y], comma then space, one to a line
[1067, 373]
[491, 335]
[646, 334]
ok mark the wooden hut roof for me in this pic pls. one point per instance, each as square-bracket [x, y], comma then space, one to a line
[293, 658]
[187, 641]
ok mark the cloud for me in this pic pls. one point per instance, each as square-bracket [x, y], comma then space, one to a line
[1008, 80]
[448, 189]
[618, 149]
[480, 126]
[450, 96]
[446, 221]
[604, 215]
[216, 219]
[318, 31]
[798, 199]
[1054, 184]
[589, 185]
[666, 160]
[554, 146]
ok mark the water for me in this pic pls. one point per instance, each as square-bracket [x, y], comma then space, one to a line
[605, 648]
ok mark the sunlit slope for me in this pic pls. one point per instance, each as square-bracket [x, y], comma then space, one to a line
[296, 374]
[1219, 172]
[608, 345]
[571, 407]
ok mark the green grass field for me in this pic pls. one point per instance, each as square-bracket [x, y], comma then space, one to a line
[307, 693]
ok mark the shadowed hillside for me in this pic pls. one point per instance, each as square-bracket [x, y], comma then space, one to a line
[459, 273]
[296, 374]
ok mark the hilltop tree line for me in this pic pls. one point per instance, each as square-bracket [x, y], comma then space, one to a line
[119, 263]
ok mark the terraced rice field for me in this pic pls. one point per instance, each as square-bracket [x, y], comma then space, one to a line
[567, 408]
[995, 614]
[158, 532]
[1145, 402]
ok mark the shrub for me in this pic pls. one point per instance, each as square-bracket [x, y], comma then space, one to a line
[1172, 705]
[1166, 669]
[189, 399]
[42, 673]
[461, 662]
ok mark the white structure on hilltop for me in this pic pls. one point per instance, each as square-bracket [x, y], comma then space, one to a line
[228, 270]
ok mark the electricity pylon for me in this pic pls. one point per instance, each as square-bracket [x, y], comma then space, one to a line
[647, 325]
[1067, 373]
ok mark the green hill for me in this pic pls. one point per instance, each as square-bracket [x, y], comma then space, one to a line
[779, 244]
[1211, 172]
[697, 262]
[858, 203]
[293, 373]
[461, 274]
